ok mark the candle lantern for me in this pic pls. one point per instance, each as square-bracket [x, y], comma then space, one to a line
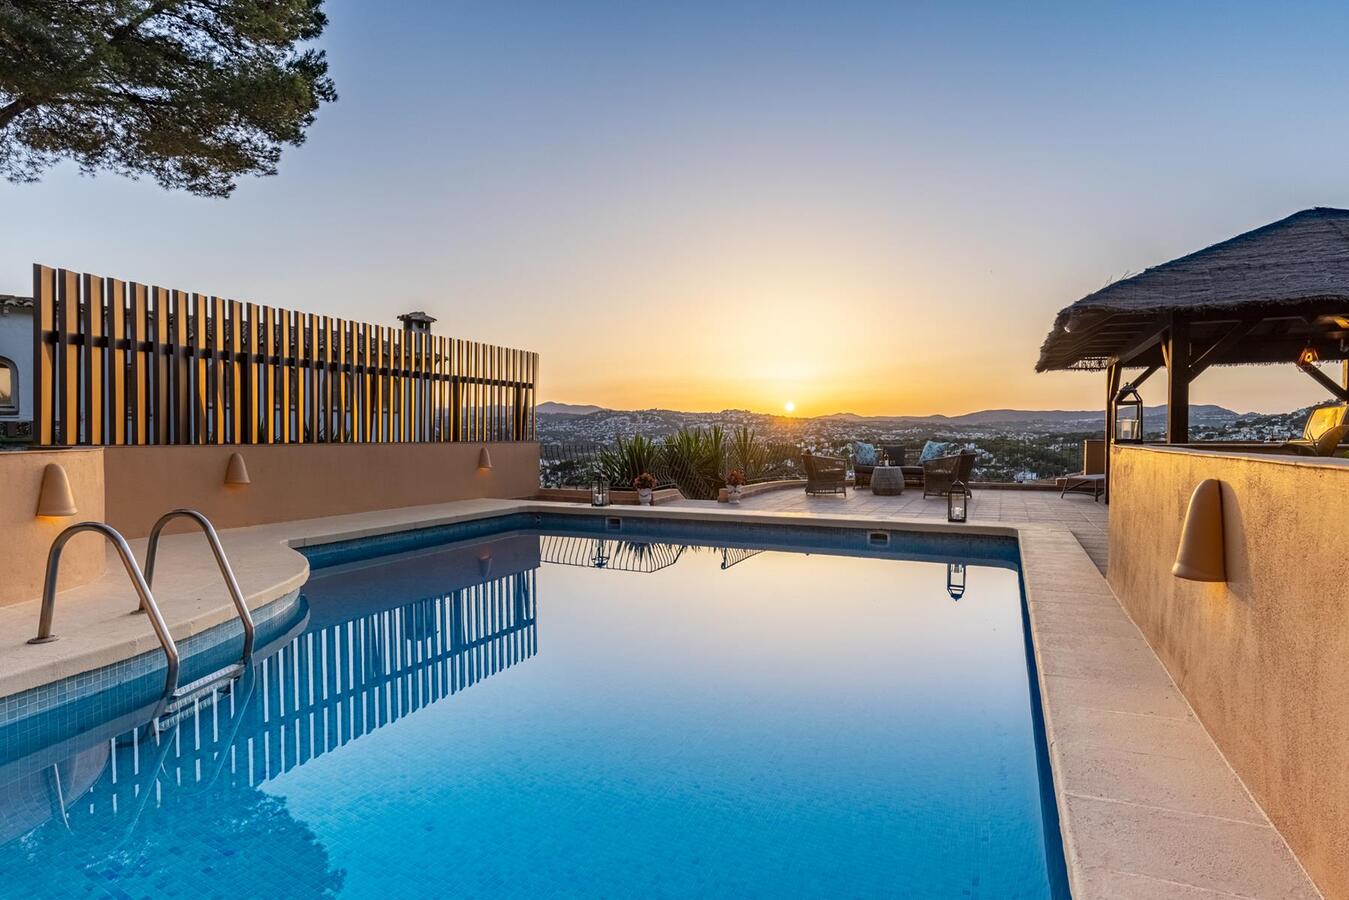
[955, 580]
[1128, 416]
[957, 502]
[599, 493]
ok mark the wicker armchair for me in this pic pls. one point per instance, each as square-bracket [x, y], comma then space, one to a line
[826, 474]
[941, 473]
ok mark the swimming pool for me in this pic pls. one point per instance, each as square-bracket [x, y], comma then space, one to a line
[566, 705]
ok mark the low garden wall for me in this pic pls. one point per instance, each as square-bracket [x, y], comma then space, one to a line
[1264, 657]
[305, 481]
[130, 487]
[25, 537]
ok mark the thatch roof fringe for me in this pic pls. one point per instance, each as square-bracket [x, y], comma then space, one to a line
[1301, 263]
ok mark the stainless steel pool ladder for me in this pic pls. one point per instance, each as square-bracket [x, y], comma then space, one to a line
[175, 697]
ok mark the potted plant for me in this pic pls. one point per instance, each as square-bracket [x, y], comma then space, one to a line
[735, 483]
[645, 484]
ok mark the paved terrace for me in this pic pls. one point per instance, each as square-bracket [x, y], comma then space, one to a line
[1085, 518]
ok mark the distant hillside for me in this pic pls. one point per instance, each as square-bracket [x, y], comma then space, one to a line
[1050, 419]
[566, 409]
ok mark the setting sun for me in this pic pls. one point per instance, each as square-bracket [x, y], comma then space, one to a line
[789, 406]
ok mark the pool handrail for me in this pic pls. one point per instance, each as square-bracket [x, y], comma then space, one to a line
[138, 581]
[226, 571]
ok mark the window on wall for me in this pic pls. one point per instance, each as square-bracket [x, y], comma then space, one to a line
[9, 387]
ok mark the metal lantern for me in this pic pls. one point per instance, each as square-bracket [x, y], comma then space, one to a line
[955, 580]
[599, 493]
[1128, 416]
[957, 502]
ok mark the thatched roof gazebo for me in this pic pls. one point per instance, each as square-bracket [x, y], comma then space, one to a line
[1278, 294]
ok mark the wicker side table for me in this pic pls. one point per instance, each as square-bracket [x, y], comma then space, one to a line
[887, 481]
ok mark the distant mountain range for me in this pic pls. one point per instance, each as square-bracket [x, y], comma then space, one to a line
[567, 409]
[1055, 419]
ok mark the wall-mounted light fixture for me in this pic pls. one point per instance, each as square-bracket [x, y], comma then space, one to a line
[484, 460]
[236, 472]
[55, 497]
[484, 563]
[1201, 556]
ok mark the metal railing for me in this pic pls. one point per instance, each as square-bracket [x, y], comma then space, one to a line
[174, 697]
[133, 571]
[226, 572]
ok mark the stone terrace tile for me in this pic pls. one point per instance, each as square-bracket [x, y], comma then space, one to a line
[1084, 517]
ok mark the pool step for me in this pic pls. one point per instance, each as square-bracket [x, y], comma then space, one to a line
[183, 698]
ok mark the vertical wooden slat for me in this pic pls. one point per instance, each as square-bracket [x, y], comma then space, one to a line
[68, 357]
[115, 360]
[281, 348]
[44, 355]
[395, 387]
[323, 381]
[438, 388]
[341, 396]
[266, 373]
[303, 398]
[201, 386]
[183, 404]
[237, 379]
[163, 367]
[92, 319]
[313, 377]
[252, 404]
[367, 383]
[139, 365]
[219, 381]
[381, 404]
[416, 382]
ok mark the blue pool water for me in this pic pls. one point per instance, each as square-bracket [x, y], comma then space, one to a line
[552, 708]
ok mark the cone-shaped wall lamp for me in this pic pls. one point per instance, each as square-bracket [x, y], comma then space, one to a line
[1201, 556]
[484, 460]
[236, 472]
[55, 497]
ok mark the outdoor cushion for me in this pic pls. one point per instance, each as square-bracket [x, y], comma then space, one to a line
[932, 450]
[864, 453]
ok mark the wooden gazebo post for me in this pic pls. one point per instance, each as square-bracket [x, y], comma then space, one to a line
[1176, 354]
[1112, 376]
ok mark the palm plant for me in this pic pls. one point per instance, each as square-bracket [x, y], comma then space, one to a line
[696, 460]
[628, 458]
[749, 454]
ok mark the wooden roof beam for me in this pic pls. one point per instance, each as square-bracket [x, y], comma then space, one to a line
[1221, 346]
[1152, 335]
[1342, 393]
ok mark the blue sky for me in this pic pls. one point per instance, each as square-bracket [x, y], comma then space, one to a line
[736, 205]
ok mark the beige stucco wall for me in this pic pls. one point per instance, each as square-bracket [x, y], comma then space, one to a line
[302, 481]
[25, 538]
[1264, 658]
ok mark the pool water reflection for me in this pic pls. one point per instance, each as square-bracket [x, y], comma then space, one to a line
[692, 720]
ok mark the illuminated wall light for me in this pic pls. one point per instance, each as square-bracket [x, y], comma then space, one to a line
[1201, 556]
[484, 460]
[55, 497]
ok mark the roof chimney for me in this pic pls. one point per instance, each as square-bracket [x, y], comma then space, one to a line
[417, 321]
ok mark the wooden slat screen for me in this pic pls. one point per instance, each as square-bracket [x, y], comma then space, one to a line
[118, 362]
